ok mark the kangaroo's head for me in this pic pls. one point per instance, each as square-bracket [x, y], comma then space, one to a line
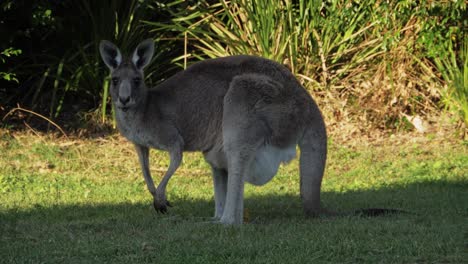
[127, 87]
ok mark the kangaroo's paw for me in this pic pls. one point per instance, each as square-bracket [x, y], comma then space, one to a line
[160, 205]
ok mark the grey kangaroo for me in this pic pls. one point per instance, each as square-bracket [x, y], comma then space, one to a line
[245, 114]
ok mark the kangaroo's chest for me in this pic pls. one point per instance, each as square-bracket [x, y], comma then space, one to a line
[140, 133]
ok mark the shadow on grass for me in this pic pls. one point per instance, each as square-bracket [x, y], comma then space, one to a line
[277, 231]
[440, 198]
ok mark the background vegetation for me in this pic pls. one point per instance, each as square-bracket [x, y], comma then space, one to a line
[379, 64]
[371, 60]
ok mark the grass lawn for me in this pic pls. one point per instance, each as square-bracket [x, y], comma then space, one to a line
[85, 201]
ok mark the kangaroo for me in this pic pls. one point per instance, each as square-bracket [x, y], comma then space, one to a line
[246, 114]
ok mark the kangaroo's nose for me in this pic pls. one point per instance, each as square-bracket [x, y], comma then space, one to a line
[124, 100]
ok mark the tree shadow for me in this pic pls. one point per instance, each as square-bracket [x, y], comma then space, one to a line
[436, 198]
[134, 233]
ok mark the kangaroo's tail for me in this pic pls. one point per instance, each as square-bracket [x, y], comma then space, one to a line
[313, 146]
[373, 212]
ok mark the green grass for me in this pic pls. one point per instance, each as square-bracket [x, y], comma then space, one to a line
[84, 201]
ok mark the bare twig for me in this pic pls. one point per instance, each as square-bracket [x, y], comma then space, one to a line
[18, 108]
[185, 49]
[32, 129]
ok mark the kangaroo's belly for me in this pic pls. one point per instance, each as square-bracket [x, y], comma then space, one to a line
[264, 165]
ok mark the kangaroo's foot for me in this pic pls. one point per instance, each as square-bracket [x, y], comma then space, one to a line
[160, 204]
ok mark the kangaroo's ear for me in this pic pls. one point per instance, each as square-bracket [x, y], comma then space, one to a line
[143, 54]
[110, 54]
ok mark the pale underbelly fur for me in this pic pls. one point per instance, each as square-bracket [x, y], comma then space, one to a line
[266, 163]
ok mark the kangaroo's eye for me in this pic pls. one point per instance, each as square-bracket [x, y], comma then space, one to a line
[115, 81]
[137, 81]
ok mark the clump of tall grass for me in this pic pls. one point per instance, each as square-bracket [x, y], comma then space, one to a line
[454, 71]
[364, 61]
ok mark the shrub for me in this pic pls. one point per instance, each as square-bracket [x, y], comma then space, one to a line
[366, 61]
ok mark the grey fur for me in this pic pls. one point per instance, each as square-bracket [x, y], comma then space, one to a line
[246, 115]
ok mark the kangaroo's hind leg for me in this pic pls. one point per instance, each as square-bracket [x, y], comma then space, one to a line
[220, 179]
[243, 133]
[240, 145]
[239, 161]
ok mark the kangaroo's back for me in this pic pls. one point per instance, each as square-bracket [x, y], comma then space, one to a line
[194, 98]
